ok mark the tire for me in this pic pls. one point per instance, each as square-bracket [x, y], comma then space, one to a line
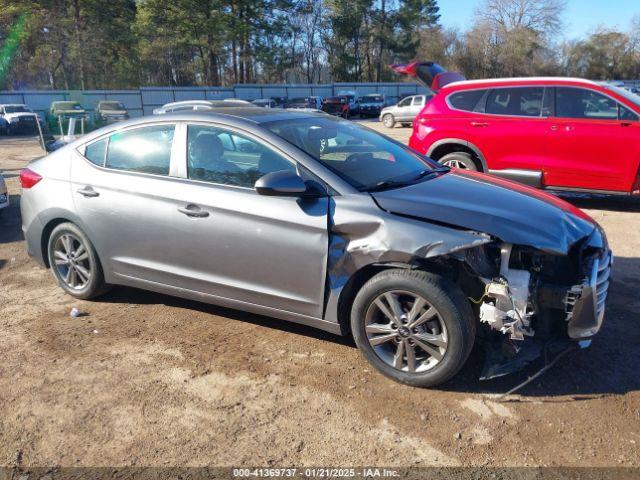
[462, 160]
[9, 130]
[453, 324]
[388, 120]
[87, 260]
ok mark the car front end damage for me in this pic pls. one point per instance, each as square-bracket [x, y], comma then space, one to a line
[534, 269]
[529, 300]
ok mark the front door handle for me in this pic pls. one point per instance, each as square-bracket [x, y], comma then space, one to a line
[192, 210]
[479, 124]
[554, 128]
[88, 192]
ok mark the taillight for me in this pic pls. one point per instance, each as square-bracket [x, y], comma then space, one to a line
[28, 178]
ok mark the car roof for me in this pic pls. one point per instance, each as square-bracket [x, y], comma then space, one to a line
[517, 81]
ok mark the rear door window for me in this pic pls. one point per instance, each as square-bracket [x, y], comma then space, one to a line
[583, 103]
[519, 101]
[419, 100]
[95, 152]
[144, 150]
[466, 100]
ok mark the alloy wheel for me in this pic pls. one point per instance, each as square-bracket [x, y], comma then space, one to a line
[72, 261]
[405, 331]
[455, 164]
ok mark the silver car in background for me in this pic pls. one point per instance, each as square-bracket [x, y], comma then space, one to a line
[404, 111]
[188, 105]
[317, 220]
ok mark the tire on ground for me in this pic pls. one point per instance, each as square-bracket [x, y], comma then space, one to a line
[446, 297]
[388, 120]
[96, 285]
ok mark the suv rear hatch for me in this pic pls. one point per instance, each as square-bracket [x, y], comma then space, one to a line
[430, 74]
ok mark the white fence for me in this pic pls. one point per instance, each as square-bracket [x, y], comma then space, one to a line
[143, 100]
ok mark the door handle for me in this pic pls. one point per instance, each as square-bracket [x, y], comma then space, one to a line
[479, 124]
[194, 211]
[626, 124]
[88, 192]
[554, 128]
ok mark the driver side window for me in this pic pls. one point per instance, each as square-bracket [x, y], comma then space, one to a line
[219, 156]
[405, 102]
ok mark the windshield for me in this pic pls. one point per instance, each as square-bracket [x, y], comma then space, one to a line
[68, 106]
[112, 106]
[16, 109]
[371, 98]
[623, 92]
[362, 157]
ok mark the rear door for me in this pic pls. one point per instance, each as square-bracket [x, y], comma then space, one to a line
[592, 143]
[510, 129]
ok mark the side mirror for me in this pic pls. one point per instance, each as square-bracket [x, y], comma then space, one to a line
[282, 183]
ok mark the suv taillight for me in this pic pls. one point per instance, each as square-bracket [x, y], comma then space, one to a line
[28, 178]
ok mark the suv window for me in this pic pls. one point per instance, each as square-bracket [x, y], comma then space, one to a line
[519, 101]
[583, 103]
[405, 102]
[419, 100]
[465, 100]
[625, 114]
[240, 162]
[145, 149]
[95, 152]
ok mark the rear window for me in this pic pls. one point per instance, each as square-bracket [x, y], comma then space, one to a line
[465, 100]
[145, 150]
[95, 151]
[519, 101]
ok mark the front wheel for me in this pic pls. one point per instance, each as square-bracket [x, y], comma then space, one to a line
[74, 262]
[460, 160]
[414, 327]
[388, 120]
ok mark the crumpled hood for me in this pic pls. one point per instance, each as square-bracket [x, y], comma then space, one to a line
[509, 211]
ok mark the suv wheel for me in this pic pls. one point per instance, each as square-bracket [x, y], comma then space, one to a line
[388, 121]
[74, 262]
[460, 160]
[414, 327]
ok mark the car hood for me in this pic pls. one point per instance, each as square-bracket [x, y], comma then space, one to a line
[509, 211]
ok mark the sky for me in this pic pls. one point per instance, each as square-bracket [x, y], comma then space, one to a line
[580, 18]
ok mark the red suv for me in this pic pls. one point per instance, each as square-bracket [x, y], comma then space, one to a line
[554, 133]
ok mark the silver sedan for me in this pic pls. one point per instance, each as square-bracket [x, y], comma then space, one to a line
[311, 219]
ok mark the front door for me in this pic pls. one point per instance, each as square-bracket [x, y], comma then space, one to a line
[593, 142]
[237, 244]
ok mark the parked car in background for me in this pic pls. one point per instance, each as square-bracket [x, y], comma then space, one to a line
[324, 222]
[111, 111]
[187, 105]
[67, 109]
[305, 102]
[338, 106]
[352, 99]
[4, 195]
[404, 111]
[371, 105]
[554, 133]
[17, 118]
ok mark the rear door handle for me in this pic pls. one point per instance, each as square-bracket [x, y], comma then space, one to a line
[88, 192]
[192, 210]
[479, 124]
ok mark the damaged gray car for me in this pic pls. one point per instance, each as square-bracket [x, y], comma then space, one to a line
[324, 222]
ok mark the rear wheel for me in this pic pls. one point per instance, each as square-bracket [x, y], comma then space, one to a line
[388, 121]
[462, 160]
[74, 262]
[414, 327]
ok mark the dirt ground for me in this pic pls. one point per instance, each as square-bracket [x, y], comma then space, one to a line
[149, 380]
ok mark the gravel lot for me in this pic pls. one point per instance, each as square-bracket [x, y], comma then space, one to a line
[150, 380]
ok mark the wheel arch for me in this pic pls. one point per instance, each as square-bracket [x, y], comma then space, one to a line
[449, 145]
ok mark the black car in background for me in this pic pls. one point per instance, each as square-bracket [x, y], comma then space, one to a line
[372, 104]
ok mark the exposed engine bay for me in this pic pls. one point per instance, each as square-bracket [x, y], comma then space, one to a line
[530, 298]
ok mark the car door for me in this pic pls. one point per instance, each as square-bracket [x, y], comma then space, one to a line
[403, 109]
[510, 128]
[239, 245]
[417, 104]
[592, 142]
[125, 191]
